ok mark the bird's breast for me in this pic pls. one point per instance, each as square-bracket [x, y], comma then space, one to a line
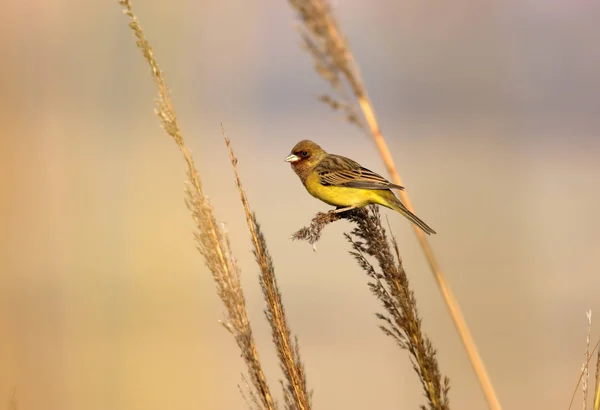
[336, 195]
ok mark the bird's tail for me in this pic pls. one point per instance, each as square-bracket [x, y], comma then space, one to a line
[398, 206]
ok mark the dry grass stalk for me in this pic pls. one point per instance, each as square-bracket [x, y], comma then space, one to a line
[212, 240]
[312, 233]
[335, 62]
[581, 374]
[585, 367]
[295, 389]
[390, 285]
[332, 57]
[597, 390]
[589, 356]
[249, 394]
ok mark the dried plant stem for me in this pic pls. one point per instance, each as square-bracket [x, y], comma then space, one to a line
[586, 367]
[297, 395]
[334, 61]
[597, 384]
[581, 374]
[597, 391]
[212, 240]
[390, 285]
[447, 294]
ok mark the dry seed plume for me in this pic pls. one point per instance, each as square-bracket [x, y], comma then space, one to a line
[312, 233]
[389, 283]
[585, 367]
[211, 239]
[581, 375]
[296, 394]
[597, 390]
[333, 60]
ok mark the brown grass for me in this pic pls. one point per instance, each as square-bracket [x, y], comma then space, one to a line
[597, 390]
[211, 239]
[390, 285]
[582, 374]
[296, 393]
[335, 62]
[312, 233]
[586, 367]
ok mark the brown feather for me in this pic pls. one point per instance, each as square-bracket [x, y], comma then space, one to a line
[336, 170]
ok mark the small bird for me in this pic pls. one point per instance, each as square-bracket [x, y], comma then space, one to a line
[345, 184]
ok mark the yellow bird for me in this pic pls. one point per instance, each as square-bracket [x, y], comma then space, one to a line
[345, 184]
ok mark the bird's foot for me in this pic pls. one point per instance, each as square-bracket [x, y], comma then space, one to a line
[342, 209]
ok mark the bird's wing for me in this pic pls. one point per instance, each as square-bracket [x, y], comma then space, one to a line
[336, 170]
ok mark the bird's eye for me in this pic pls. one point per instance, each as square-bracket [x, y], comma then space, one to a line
[304, 153]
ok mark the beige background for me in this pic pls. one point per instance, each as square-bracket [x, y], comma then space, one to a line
[491, 112]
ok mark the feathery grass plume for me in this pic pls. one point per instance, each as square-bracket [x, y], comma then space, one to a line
[581, 374]
[295, 389]
[390, 285]
[249, 395]
[211, 238]
[585, 367]
[334, 61]
[312, 233]
[597, 390]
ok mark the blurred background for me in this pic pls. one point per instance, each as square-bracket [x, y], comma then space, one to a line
[490, 110]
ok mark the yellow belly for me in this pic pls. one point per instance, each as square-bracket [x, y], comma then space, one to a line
[343, 196]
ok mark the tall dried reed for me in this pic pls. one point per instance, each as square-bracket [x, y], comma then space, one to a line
[597, 390]
[211, 239]
[295, 391]
[334, 61]
[586, 367]
[596, 405]
[390, 285]
[584, 373]
[582, 376]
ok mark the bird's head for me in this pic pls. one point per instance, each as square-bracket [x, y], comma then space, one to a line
[305, 156]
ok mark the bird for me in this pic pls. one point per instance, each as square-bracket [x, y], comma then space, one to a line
[344, 183]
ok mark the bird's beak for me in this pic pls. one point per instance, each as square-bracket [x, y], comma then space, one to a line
[292, 158]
